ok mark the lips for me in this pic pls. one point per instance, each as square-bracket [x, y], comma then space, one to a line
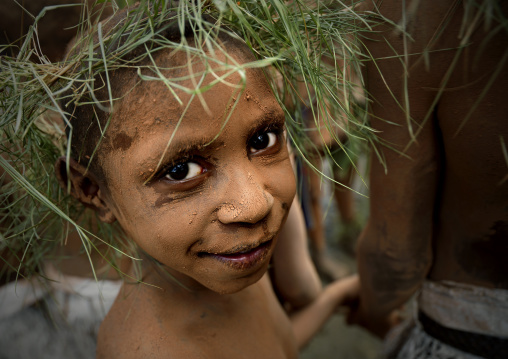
[243, 258]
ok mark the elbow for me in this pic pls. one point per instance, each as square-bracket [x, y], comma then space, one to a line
[299, 299]
[394, 269]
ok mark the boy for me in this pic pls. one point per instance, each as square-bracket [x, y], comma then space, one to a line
[203, 187]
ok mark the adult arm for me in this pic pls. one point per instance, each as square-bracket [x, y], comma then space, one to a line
[394, 251]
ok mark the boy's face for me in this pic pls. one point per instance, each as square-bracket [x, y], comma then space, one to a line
[215, 204]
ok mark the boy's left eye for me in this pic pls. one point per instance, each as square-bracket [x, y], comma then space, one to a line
[262, 140]
[184, 171]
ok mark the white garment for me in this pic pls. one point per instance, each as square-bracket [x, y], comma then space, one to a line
[453, 305]
[56, 319]
[466, 307]
[79, 298]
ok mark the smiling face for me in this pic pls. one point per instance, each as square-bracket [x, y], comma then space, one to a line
[209, 206]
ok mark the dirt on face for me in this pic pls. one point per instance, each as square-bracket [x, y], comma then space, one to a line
[204, 185]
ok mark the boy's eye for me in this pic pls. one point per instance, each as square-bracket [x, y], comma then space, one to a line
[262, 140]
[184, 171]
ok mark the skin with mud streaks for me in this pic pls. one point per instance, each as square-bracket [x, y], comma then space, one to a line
[208, 213]
[241, 190]
[440, 211]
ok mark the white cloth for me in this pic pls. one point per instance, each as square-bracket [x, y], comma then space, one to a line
[414, 343]
[17, 295]
[453, 305]
[55, 319]
[466, 307]
[79, 298]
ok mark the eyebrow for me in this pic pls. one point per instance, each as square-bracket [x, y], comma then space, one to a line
[187, 145]
[182, 147]
[271, 117]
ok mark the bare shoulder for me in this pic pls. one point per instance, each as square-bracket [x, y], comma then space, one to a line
[133, 329]
[147, 322]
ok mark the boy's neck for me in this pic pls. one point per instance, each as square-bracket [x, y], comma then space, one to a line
[171, 281]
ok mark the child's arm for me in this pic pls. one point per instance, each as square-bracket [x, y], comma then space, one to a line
[294, 275]
[309, 320]
[297, 282]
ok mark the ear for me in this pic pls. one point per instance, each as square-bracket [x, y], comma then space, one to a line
[84, 186]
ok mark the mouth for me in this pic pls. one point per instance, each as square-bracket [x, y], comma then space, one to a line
[244, 257]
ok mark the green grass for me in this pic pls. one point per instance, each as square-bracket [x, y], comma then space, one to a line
[293, 38]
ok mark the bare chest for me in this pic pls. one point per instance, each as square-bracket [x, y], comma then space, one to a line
[247, 325]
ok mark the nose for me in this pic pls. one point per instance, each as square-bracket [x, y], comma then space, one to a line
[246, 201]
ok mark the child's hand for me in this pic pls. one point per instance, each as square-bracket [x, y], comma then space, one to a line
[351, 289]
[377, 326]
[346, 291]
[308, 320]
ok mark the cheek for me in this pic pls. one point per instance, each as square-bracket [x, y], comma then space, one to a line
[169, 228]
[166, 234]
[283, 182]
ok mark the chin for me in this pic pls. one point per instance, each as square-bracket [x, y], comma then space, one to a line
[232, 286]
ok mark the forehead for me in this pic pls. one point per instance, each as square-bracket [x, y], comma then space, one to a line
[151, 106]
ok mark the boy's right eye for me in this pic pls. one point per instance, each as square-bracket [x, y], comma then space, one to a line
[184, 171]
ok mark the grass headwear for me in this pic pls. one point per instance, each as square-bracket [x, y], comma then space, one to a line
[300, 44]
